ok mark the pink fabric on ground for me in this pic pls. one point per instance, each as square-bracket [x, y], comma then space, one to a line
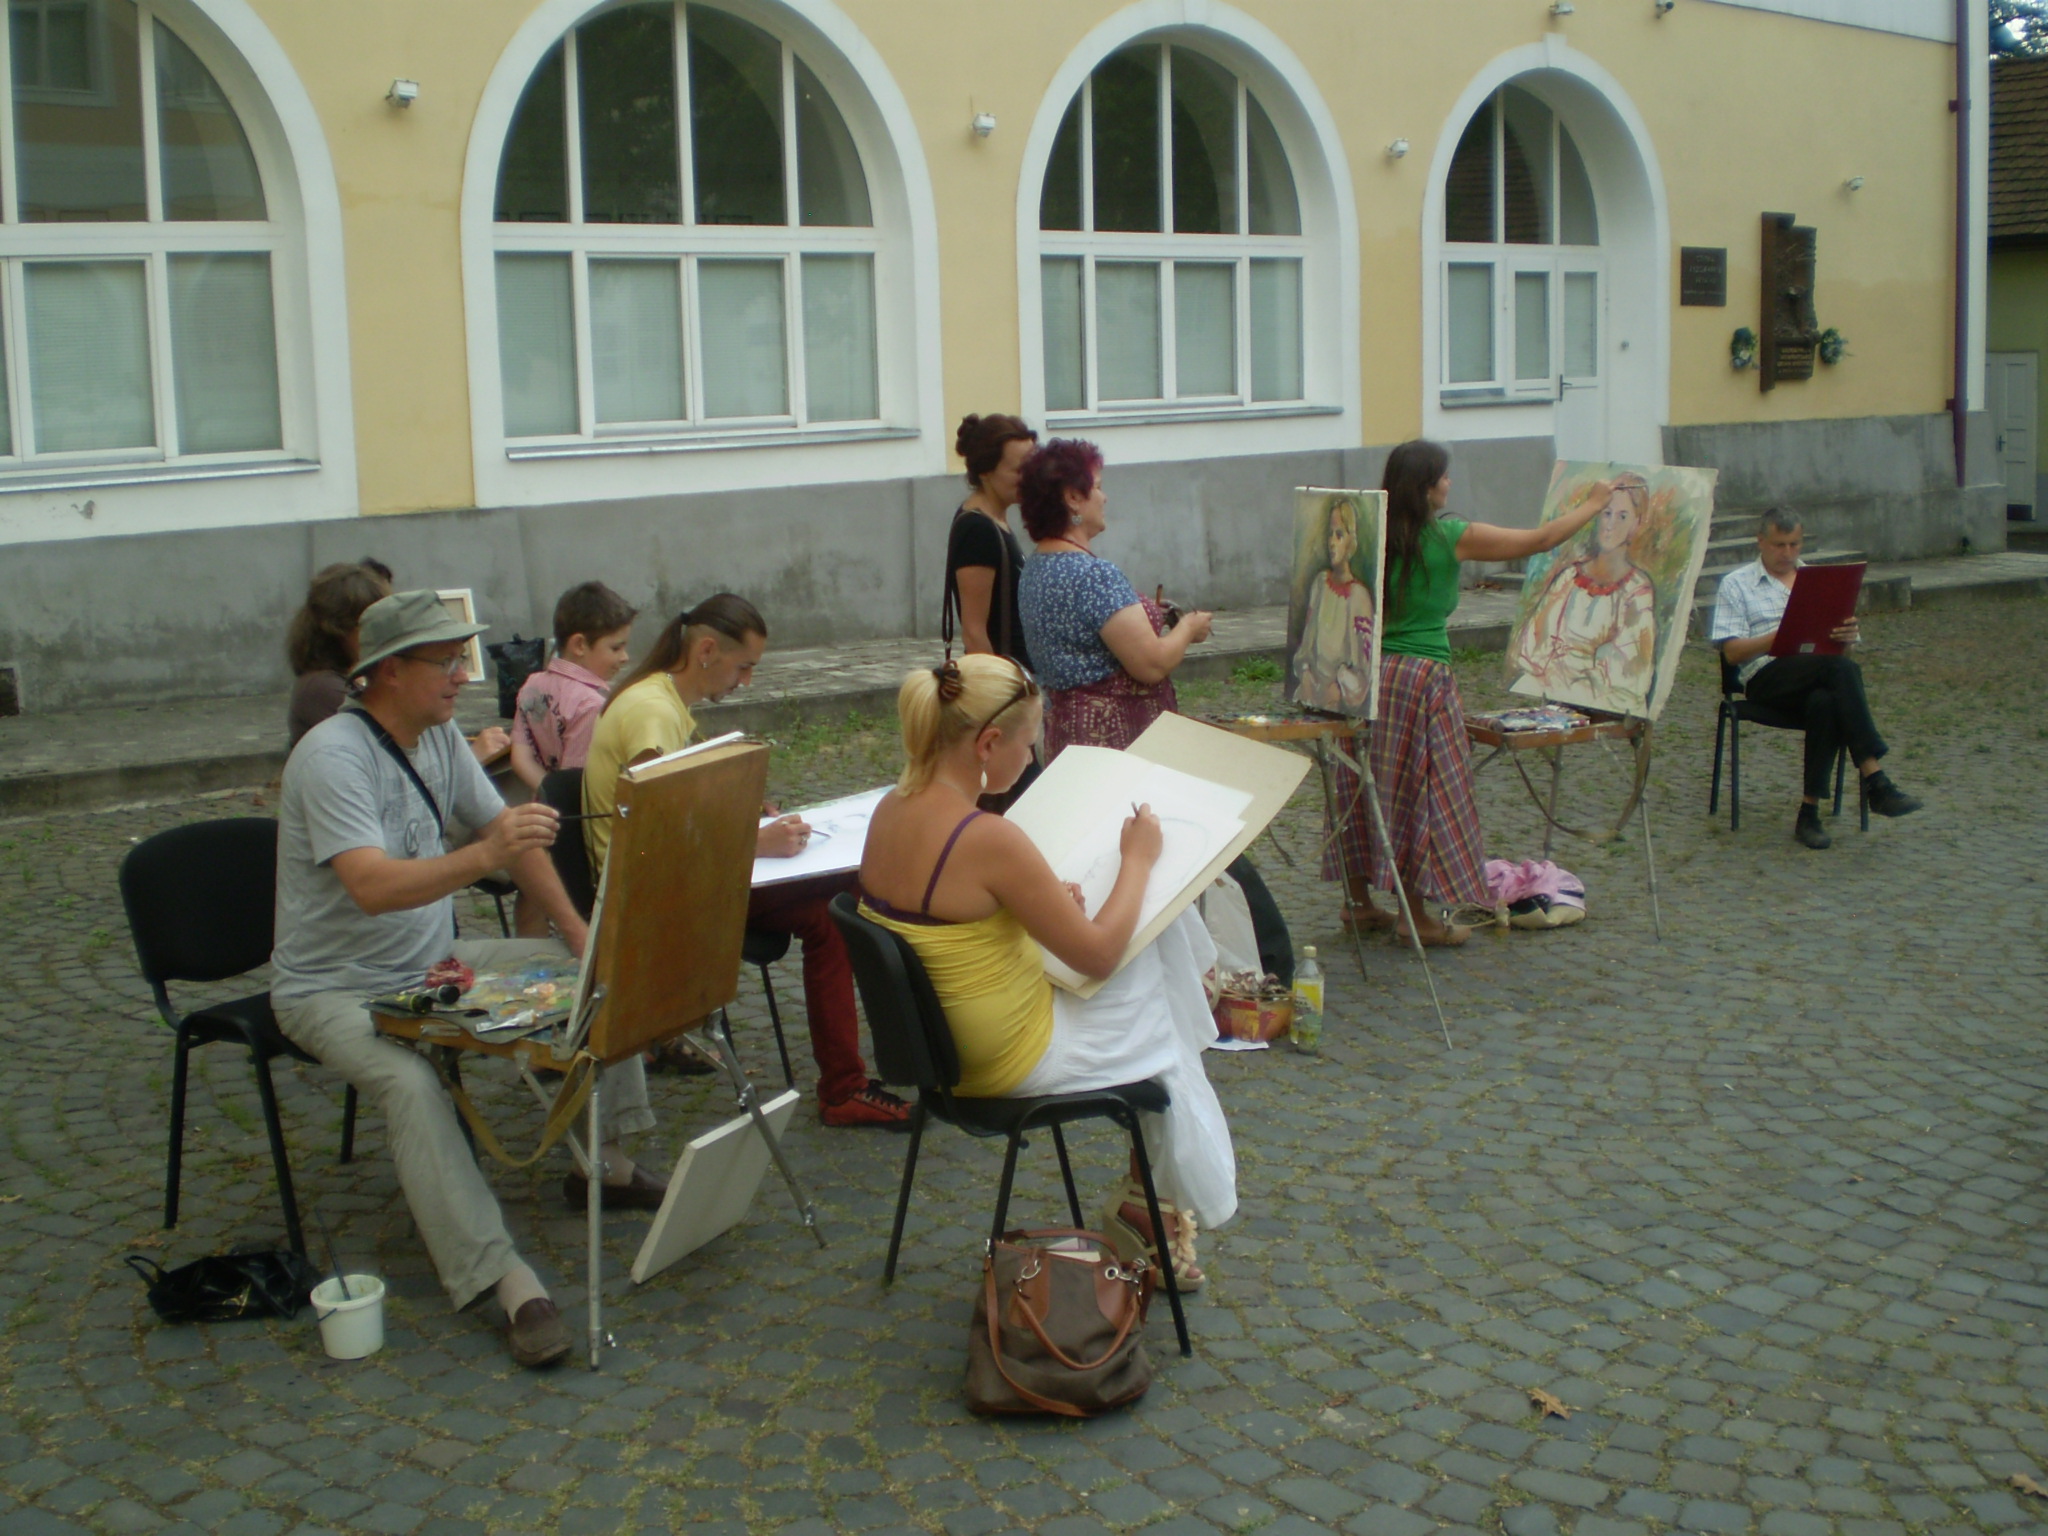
[1533, 877]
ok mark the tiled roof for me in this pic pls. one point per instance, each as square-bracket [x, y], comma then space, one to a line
[2019, 148]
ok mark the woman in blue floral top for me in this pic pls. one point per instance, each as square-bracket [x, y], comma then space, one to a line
[1103, 653]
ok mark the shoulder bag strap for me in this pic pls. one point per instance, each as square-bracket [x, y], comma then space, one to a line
[397, 755]
[1009, 593]
[949, 608]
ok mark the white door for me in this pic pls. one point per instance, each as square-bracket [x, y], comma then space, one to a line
[1581, 428]
[2013, 383]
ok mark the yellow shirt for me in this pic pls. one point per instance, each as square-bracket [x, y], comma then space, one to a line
[649, 716]
[990, 979]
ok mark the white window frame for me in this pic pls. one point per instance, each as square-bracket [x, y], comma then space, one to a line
[905, 439]
[1163, 248]
[687, 243]
[1550, 258]
[152, 244]
[1331, 418]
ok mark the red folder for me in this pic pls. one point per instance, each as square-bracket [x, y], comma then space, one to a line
[1823, 600]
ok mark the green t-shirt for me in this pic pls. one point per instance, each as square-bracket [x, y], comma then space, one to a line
[1419, 608]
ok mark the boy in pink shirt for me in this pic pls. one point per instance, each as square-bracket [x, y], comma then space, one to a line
[559, 705]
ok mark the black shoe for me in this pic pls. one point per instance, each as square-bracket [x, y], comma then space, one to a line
[1886, 798]
[1808, 830]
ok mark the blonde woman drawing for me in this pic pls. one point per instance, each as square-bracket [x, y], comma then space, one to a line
[1332, 663]
[1591, 636]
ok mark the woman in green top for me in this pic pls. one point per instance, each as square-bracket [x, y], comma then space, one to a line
[1419, 752]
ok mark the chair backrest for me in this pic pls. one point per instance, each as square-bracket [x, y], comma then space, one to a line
[563, 789]
[202, 899]
[1731, 676]
[913, 1043]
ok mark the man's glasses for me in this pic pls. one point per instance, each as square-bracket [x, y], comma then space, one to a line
[449, 665]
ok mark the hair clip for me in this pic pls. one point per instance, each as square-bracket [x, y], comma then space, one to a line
[951, 683]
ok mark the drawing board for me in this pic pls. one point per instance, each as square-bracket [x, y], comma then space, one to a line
[672, 902]
[1335, 599]
[1217, 793]
[839, 831]
[712, 1187]
[1602, 618]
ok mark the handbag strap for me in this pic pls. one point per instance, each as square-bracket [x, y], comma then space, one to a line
[949, 610]
[152, 1273]
[993, 1308]
[1038, 1327]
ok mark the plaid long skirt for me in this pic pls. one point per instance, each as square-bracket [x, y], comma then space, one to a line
[1423, 765]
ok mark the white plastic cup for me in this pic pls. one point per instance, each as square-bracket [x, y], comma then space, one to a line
[353, 1326]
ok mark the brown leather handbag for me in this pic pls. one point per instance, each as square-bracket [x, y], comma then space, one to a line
[1058, 1326]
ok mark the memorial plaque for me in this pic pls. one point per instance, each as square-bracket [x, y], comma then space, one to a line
[1789, 333]
[1703, 276]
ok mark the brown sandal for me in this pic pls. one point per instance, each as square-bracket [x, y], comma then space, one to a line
[1367, 916]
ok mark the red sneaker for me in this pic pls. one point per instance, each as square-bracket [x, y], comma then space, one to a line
[872, 1105]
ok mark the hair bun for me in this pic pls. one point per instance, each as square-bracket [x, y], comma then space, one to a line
[964, 438]
[951, 683]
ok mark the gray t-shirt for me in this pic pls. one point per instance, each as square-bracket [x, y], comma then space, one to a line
[342, 790]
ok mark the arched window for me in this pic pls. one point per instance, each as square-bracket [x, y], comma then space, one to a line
[1171, 245]
[137, 319]
[684, 239]
[1522, 269]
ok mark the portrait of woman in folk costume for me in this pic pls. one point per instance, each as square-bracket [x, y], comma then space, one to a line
[1591, 632]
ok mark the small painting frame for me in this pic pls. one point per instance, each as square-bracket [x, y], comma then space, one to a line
[461, 604]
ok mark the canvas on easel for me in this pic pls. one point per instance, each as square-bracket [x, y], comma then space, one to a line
[672, 908]
[1334, 600]
[1601, 619]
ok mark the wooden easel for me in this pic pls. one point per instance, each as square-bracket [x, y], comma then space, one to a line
[662, 962]
[1322, 735]
[1603, 728]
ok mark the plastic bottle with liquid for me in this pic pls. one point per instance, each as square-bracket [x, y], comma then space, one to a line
[1308, 1002]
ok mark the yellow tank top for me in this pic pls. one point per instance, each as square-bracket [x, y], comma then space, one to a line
[990, 979]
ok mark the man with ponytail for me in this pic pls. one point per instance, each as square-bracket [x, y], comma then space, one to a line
[701, 656]
[975, 899]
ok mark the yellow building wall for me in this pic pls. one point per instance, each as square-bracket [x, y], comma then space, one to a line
[1746, 111]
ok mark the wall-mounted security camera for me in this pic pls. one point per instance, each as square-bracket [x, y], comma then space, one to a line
[403, 93]
[984, 124]
[1664, 7]
[1397, 149]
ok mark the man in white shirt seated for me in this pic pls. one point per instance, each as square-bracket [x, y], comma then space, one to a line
[373, 802]
[1827, 690]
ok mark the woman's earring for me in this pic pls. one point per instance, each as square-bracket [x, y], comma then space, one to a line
[984, 778]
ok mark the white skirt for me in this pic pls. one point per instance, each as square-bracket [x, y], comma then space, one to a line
[1152, 1019]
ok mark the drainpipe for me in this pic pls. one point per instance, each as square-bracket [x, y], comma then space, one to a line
[1959, 406]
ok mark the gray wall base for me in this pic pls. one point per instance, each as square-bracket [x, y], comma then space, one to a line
[162, 617]
[1883, 484]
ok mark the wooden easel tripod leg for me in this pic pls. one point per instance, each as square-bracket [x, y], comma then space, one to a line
[593, 1184]
[750, 1103]
[1379, 825]
[1337, 825]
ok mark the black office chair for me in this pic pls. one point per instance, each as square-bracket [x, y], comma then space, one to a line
[914, 1046]
[200, 902]
[1736, 708]
[563, 789]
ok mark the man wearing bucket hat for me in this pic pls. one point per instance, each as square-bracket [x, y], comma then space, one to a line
[369, 857]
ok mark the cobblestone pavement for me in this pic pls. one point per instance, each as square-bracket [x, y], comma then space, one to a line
[1762, 1203]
